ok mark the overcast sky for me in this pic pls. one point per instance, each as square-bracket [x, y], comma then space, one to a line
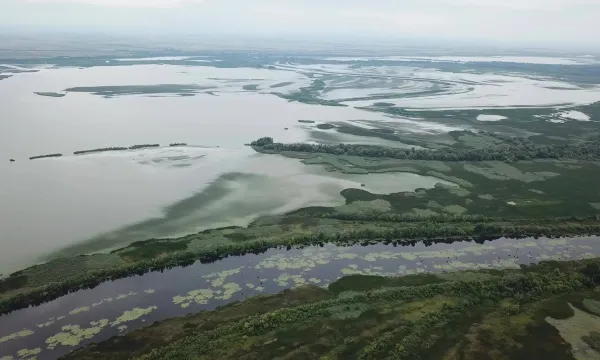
[560, 21]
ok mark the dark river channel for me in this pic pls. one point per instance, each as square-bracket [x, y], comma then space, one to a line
[56, 328]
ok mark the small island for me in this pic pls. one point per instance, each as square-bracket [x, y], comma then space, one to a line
[325, 126]
[44, 156]
[306, 121]
[120, 148]
[143, 146]
[81, 152]
[177, 144]
[49, 94]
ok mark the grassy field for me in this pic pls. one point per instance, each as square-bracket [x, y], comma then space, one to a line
[510, 314]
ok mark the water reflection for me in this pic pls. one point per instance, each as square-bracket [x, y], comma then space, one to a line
[116, 307]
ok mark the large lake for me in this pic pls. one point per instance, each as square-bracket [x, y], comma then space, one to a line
[56, 204]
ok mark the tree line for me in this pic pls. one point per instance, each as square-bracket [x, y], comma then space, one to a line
[45, 156]
[439, 218]
[512, 150]
[407, 339]
[405, 234]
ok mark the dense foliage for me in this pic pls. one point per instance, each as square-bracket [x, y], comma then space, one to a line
[513, 149]
[390, 320]
[403, 233]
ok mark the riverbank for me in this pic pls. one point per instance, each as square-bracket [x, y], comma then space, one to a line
[70, 275]
[96, 314]
[373, 317]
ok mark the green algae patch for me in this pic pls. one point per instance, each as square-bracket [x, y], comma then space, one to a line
[228, 290]
[17, 335]
[124, 296]
[200, 297]
[79, 310]
[73, 335]
[345, 256]
[134, 314]
[218, 279]
[308, 259]
[29, 352]
[46, 324]
[285, 280]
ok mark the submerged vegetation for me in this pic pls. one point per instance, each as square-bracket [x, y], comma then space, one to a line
[465, 315]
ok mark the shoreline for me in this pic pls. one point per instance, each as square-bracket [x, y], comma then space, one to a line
[400, 235]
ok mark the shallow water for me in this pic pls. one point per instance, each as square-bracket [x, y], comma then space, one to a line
[49, 205]
[179, 291]
[101, 201]
[455, 90]
[462, 59]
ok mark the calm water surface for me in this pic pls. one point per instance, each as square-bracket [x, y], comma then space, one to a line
[65, 204]
[60, 326]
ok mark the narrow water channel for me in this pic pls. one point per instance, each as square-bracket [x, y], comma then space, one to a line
[58, 327]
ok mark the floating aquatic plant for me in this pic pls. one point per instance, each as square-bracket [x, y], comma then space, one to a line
[18, 334]
[134, 314]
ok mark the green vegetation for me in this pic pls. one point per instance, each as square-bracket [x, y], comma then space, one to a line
[143, 146]
[177, 144]
[111, 91]
[325, 126]
[45, 156]
[20, 290]
[593, 340]
[509, 314]
[513, 149]
[50, 94]
[310, 95]
[81, 152]
[121, 148]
